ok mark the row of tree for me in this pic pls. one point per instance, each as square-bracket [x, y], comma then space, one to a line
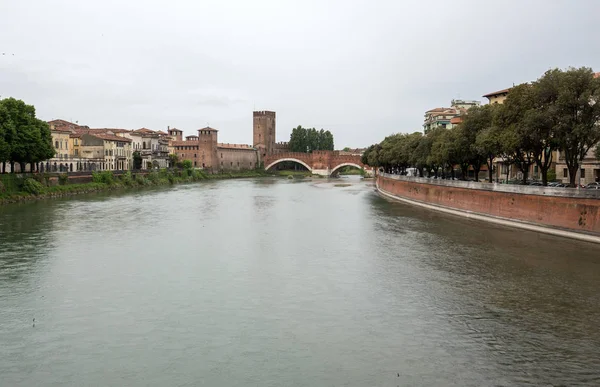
[558, 112]
[307, 140]
[23, 138]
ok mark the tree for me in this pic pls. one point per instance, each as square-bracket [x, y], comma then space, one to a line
[308, 140]
[137, 160]
[597, 151]
[346, 149]
[26, 138]
[476, 120]
[173, 159]
[520, 140]
[6, 133]
[572, 105]
[187, 164]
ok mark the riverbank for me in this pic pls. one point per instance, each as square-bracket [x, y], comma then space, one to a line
[561, 212]
[26, 187]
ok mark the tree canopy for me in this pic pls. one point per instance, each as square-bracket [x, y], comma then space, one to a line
[23, 137]
[308, 140]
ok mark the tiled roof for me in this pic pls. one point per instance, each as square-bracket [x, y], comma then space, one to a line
[456, 120]
[596, 75]
[176, 130]
[162, 133]
[104, 130]
[437, 110]
[496, 93]
[110, 137]
[144, 130]
[208, 128]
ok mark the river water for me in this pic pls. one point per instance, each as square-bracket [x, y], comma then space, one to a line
[273, 282]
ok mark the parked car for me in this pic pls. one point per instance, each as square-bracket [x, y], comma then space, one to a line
[595, 185]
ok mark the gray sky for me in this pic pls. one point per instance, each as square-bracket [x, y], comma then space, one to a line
[362, 69]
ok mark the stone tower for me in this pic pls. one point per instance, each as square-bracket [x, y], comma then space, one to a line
[207, 144]
[264, 132]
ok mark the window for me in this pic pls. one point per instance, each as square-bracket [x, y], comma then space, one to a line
[106, 152]
[231, 163]
[194, 155]
[582, 173]
[565, 172]
[76, 152]
[56, 144]
[221, 155]
[238, 163]
[221, 163]
[194, 163]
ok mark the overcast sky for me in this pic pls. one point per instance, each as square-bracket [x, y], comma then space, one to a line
[362, 69]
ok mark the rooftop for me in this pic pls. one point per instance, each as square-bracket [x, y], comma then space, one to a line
[108, 137]
[504, 91]
[208, 128]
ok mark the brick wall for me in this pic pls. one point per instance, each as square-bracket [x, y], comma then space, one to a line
[567, 209]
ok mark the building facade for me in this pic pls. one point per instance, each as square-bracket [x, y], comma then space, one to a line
[497, 96]
[152, 145]
[447, 118]
[589, 168]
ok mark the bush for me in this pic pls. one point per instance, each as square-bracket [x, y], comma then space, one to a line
[153, 177]
[32, 186]
[551, 175]
[105, 177]
[187, 164]
[126, 178]
[63, 179]
[2, 189]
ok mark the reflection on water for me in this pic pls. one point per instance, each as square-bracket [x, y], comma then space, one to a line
[288, 282]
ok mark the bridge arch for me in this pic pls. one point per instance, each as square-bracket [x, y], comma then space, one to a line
[288, 159]
[344, 165]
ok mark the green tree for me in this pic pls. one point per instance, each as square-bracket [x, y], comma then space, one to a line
[173, 159]
[475, 121]
[187, 164]
[137, 160]
[26, 138]
[308, 140]
[6, 134]
[572, 105]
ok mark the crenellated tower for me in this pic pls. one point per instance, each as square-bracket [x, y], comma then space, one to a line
[264, 132]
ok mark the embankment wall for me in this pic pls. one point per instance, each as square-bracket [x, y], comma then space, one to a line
[559, 211]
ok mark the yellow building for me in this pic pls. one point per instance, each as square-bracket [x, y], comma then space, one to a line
[113, 151]
[497, 96]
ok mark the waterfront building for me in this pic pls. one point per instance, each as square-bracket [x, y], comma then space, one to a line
[66, 146]
[152, 145]
[114, 151]
[205, 152]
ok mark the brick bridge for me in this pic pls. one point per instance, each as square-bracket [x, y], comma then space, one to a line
[325, 163]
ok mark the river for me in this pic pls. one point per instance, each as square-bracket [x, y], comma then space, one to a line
[276, 282]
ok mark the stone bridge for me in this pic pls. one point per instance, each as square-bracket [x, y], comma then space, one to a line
[324, 163]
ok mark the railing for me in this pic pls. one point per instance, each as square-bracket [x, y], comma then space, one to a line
[509, 188]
